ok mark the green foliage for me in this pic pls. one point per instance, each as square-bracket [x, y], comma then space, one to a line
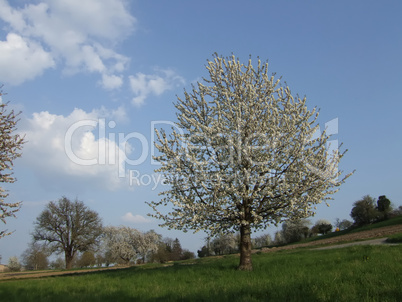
[383, 207]
[345, 224]
[295, 230]
[170, 250]
[322, 227]
[204, 252]
[360, 273]
[364, 211]
[177, 250]
[87, 259]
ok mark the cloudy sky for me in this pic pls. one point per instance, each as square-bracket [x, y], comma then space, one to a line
[94, 77]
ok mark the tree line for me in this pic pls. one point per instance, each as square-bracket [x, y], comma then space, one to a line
[366, 210]
[71, 229]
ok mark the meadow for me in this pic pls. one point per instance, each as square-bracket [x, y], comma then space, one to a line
[358, 273]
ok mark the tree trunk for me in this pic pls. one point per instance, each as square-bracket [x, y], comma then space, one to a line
[245, 248]
[69, 260]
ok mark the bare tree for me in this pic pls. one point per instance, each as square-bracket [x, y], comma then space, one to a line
[243, 155]
[10, 146]
[35, 257]
[59, 263]
[68, 227]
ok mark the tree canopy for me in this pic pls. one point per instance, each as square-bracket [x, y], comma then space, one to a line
[244, 155]
[69, 227]
[364, 211]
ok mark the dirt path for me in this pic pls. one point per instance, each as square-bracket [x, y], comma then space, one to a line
[51, 273]
[376, 241]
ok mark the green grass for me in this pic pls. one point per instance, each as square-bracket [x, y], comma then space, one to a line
[360, 273]
[396, 238]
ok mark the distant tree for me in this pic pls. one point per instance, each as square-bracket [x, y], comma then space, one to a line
[384, 207]
[279, 238]
[35, 257]
[397, 211]
[337, 223]
[295, 230]
[224, 243]
[261, 241]
[59, 263]
[162, 254]
[68, 227]
[204, 252]
[14, 264]
[10, 146]
[364, 211]
[322, 226]
[120, 242]
[187, 255]
[177, 251]
[86, 259]
[146, 243]
[345, 224]
[100, 259]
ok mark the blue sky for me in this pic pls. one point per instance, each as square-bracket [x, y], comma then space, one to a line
[124, 62]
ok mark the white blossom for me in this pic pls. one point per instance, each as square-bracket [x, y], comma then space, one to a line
[245, 157]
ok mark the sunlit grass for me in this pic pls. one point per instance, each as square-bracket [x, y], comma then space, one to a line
[361, 273]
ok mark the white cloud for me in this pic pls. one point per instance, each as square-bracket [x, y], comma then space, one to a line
[130, 218]
[77, 33]
[143, 85]
[47, 150]
[110, 82]
[22, 60]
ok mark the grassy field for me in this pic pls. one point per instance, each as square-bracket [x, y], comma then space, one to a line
[360, 273]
